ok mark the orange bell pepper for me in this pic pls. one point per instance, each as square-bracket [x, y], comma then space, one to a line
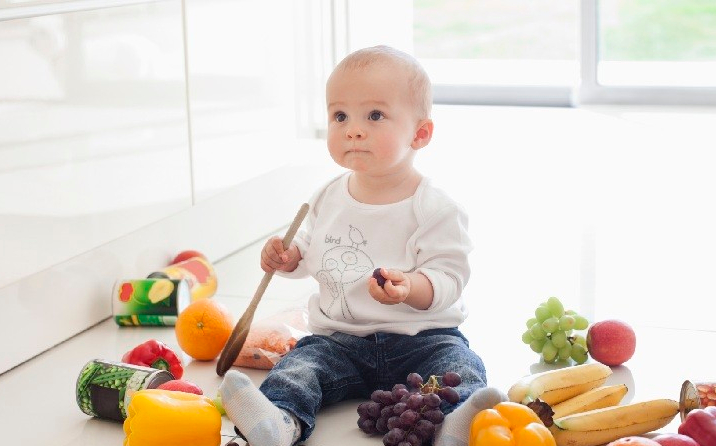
[509, 424]
[165, 417]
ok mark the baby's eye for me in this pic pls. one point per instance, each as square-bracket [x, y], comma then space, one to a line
[340, 116]
[375, 115]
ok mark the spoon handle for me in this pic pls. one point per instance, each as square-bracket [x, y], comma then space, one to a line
[238, 335]
[287, 239]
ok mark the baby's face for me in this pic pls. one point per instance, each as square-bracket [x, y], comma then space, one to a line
[372, 120]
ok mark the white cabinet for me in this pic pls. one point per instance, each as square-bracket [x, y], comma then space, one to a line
[129, 131]
[93, 131]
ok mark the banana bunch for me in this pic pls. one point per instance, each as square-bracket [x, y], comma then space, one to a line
[585, 411]
[600, 426]
[604, 396]
[556, 386]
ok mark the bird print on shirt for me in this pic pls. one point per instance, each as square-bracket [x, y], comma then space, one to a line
[342, 265]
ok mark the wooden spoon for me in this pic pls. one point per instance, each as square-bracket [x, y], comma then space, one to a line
[241, 330]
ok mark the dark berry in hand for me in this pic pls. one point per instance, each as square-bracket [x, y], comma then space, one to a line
[379, 277]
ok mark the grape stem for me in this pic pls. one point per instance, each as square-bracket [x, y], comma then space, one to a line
[571, 339]
[432, 386]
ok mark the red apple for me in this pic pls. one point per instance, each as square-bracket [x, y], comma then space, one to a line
[611, 342]
[184, 255]
[633, 441]
[675, 440]
[181, 385]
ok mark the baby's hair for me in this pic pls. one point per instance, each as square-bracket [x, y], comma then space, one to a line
[419, 82]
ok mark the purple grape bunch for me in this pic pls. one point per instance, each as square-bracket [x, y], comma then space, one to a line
[408, 415]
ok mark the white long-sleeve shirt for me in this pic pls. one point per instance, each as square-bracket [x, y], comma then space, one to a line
[342, 241]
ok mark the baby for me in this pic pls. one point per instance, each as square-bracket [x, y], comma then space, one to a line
[380, 214]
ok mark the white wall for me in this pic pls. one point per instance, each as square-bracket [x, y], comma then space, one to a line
[120, 146]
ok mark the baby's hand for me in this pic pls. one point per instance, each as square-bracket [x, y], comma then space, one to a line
[395, 290]
[274, 257]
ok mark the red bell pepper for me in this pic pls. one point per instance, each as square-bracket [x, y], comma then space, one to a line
[700, 424]
[156, 355]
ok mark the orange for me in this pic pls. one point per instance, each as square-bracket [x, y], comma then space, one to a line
[203, 328]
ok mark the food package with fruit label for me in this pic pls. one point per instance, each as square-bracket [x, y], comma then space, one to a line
[269, 339]
[152, 301]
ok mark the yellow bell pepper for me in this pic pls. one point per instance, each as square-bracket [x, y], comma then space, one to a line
[494, 436]
[533, 433]
[158, 417]
[509, 424]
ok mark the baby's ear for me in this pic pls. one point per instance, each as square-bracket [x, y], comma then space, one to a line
[423, 134]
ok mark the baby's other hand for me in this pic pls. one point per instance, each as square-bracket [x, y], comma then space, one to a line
[274, 257]
[395, 290]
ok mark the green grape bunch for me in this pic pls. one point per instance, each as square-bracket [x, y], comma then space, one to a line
[551, 333]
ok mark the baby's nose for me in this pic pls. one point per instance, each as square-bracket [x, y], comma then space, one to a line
[355, 132]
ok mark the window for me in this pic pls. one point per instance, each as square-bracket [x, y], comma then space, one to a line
[657, 43]
[496, 42]
[551, 52]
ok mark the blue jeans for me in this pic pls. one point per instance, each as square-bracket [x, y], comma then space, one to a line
[323, 370]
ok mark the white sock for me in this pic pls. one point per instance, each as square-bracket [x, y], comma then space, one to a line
[259, 421]
[455, 429]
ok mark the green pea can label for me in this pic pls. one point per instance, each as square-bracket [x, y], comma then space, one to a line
[155, 301]
[104, 388]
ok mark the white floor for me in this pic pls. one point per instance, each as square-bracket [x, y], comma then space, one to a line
[37, 400]
[524, 253]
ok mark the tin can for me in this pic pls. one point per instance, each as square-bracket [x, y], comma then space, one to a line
[104, 388]
[696, 395]
[198, 272]
[149, 301]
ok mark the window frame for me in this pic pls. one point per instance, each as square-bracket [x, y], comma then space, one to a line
[587, 89]
[592, 92]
